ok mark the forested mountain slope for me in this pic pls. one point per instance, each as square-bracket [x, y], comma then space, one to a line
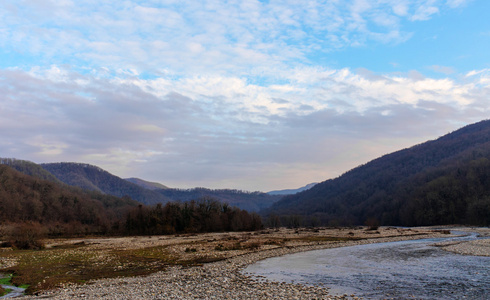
[444, 181]
[29, 168]
[24, 198]
[93, 178]
[292, 191]
[146, 184]
[33, 207]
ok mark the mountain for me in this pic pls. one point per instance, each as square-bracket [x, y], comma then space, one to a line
[444, 181]
[292, 191]
[146, 184]
[250, 201]
[32, 208]
[58, 207]
[93, 178]
[29, 168]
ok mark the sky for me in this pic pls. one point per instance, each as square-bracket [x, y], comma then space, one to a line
[250, 95]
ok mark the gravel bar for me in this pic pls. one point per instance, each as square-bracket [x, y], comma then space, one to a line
[218, 280]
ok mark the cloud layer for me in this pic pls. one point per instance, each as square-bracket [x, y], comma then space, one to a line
[221, 131]
[220, 93]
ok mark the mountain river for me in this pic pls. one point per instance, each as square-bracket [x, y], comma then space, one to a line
[13, 290]
[395, 270]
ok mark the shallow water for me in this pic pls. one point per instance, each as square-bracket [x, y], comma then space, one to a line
[397, 270]
[14, 291]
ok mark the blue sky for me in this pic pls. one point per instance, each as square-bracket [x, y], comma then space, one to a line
[254, 95]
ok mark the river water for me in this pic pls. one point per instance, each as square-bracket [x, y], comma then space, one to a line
[396, 270]
[14, 291]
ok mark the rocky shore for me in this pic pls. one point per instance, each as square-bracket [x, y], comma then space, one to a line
[225, 279]
[476, 247]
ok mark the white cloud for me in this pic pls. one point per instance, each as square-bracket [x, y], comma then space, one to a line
[478, 72]
[216, 93]
[226, 132]
[425, 11]
[457, 3]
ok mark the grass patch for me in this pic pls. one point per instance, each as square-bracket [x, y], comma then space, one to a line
[70, 246]
[6, 280]
[50, 268]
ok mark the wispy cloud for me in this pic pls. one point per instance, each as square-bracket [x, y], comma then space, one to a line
[208, 36]
[442, 69]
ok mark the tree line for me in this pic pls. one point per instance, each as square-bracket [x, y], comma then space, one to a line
[45, 208]
[203, 215]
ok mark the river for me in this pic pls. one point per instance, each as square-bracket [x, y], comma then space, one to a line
[14, 291]
[395, 270]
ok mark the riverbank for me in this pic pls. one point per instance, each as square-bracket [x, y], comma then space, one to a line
[476, 247]
[193, 274]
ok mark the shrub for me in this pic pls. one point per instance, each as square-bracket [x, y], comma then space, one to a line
[27, 236]
[372, 223]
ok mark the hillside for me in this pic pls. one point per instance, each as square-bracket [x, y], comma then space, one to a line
[250, 201]
[93, 178]
[63, 209]
[292, 191]
[29, 168]
[31, 208]
[146, 184]
[444, 181]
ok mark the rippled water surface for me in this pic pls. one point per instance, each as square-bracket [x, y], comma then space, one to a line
[398, 270]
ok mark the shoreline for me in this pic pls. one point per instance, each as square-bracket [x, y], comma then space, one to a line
[223, 279]
[477, 247]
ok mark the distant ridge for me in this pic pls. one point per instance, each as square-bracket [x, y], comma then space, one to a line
[93, 178]
[147, 184]
[444, 181]
[292, 191]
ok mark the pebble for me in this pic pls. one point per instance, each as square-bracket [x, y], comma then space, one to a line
[477, 247]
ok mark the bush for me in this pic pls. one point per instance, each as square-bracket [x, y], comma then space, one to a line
[27, 236]
[372, 224]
